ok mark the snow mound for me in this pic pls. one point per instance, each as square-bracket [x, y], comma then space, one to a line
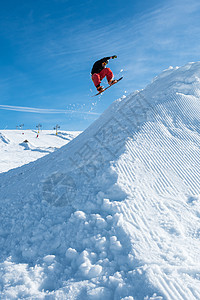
[29, 146]
[115, 213]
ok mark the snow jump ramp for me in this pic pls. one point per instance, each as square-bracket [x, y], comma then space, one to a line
[115, 213]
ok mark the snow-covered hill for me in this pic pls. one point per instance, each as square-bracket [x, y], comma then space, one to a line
[14, 142]
[115, 214]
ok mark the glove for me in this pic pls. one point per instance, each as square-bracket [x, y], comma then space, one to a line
[114, 56]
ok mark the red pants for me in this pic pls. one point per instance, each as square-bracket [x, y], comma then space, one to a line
[97, 77]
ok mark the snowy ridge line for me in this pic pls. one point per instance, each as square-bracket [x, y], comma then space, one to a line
[118, 120]
[99, 136]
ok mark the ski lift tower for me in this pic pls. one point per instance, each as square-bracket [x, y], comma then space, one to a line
[56, 128]
[38, 127]
[20, 126]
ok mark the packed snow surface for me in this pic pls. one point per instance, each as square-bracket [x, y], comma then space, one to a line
[115, 214]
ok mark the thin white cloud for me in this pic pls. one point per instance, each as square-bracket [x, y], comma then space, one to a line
[45, 111]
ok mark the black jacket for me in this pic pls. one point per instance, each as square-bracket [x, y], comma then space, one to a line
[97, 67]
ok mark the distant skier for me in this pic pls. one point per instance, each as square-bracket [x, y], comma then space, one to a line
[99, 71]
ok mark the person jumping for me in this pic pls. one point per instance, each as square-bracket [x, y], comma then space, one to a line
[99, 71]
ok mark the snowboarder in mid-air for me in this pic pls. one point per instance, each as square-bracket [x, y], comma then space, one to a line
[99, 71]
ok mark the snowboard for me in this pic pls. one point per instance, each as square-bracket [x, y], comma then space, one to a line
[107, 87]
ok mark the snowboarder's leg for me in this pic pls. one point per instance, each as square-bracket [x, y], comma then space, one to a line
[96, 79]
[106, 72]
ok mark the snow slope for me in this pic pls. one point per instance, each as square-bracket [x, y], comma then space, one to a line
[14, 142]
[115, 214]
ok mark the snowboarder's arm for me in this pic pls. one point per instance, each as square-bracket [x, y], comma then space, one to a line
[97, 67]
[111, 57]
[107, 58]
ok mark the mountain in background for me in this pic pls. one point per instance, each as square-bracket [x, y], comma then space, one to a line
[115, 213]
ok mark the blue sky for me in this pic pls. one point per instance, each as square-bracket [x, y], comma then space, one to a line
[48, 49]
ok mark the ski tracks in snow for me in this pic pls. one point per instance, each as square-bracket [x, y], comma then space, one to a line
[162, 171]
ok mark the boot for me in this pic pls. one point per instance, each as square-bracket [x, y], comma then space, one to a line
[112, 81]
[100, 88]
